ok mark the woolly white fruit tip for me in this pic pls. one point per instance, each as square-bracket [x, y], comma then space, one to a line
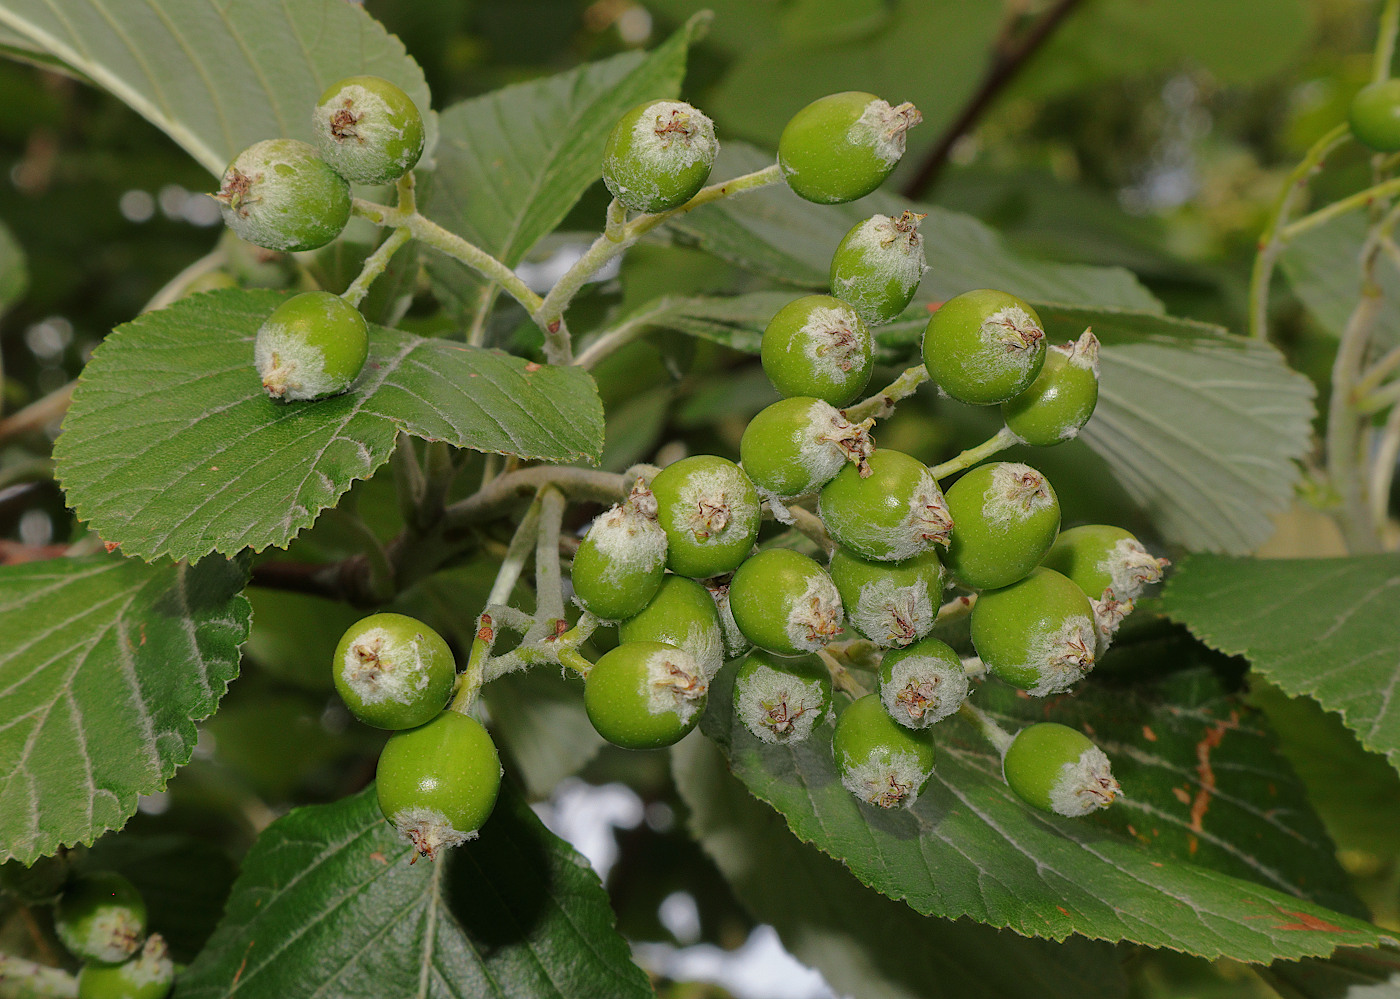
[1084, 785]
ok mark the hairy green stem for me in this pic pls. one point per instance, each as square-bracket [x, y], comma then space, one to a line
[496, 497]
[549, 591]
[1361, 199]
[956, 608]
[176, 287]
[375, 265]
[1344, 424]
[1383, 469]
[991, 731]
[999, 441]
[841, 677]
[609, 341]
[409, 481]
[882, 403]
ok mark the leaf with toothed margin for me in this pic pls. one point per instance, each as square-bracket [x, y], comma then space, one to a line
[171, 447]
[105, 665]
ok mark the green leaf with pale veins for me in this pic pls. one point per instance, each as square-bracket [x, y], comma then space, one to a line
[327, 904]
[171, 447]
[105, 665]
[1327, 628]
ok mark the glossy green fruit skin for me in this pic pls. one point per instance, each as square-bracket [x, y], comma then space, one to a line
[1005, 518]
[870, 747]
[100, 917]
[659, 155]
[1013, 626]
[830, 153]
[919, 705]
[448, 766]
[629, 709]
[682, 614]
[818, 346]
[984, 347]
[710, 513]
[1375, 116]
[782, 700]
[890, 603]
[148, 975]
[314, 345]
[785, 602]
[895, 513]
[1058, 403]
[619, 565]
[278, 194]
[877, 266]
[798, 445]
[1059, 770]
[1107, 562]
[368, 130]
[393, 671]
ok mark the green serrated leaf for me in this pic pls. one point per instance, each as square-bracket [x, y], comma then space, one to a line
[171, 447]
[328, 904]
[105, 666]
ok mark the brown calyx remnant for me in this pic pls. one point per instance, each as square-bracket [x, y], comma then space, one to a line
[891, 795]
[904, 228]
[1014, 329]
[641, 500]
[674, 126]
[820, 621]
[343, 123]
[680, 682]
[1027, 490]
[369, 665]
[779, 715]
[854, 439]
[902, 631]
[710, 517]
[918, 697]
[933, 523]
[237, 191]
[1074, 656]
[841, 343]
[278, 378]
[899, 119]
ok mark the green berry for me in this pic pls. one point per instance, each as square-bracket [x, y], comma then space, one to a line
[843, 146]
[368, 130]
[100, 917]
[619, 565]
[735, 644]
[280, 195]
[784, 602]
[1375, 116]
[817, 346]
[710, 512]
[894, 513]
[1061, 399]
[659, 155]
[148, 975]
[1005, 518]
[682, 614]
[880, 761]
[1108, 564]
[437, 783]
[313, 345]
[1058, 769]
[781, 700]
[798, 445]
[644, 695]
[1037, 634]
[878, 264]
[922, 684]
[890, 603]
[393, 671]
[984, 347]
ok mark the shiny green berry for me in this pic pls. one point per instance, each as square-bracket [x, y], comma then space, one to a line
[785, 602]
[1037, 634]
[683, 614]
[645, 695]
[1108, 564]
[880, 761]
[798, 445]
[893, 514]
[620, 563]
[1375, 116]
[368, 130]
[393, 671]
[1061, 399]
[148, 975]
[781, 700]
[280, 195]
[922, 684]
[313, 345]
[437, 783]
[817, 346]
[1005, 518]
[843, 146]
[878, 265]
[984, 347]
[1057, 769]
[100, 917]
[890, 603]
[710, 512]
[659, 155]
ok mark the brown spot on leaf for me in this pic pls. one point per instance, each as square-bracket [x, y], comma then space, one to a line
[1148, 734]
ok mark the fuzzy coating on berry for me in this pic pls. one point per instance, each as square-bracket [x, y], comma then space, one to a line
[1085, 785]
[1018, 492]
[923, 684]
[893, 514]
[798, 445]
[368, 130]
[148, 975]
[620, 563]
[781, 701]
[890, 603]
[1107, 562]
[672, 682]
[644, 695]
[1131, 568]
[1058, 769]
[393, 671]
[1109, 615]
[710, 512]
[682, 614]
[1038, 633]
[843, 146]
[984, 347]
[878, 265]
[881, 762]
[882, 127]
[429, 831]
[1062, 657]
[1061, 400]
[312, 346]
[278, 194]
[817, 346]
[658, 155]
[100, 917]
[785, 602]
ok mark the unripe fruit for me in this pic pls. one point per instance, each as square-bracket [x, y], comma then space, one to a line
[437, 784]
[1058, 769]
[1061, 399]
[784, 602]
[1037, 633]
[313, 345]
[620, 563]
[1375, 116]
[100, 917]
[798, 445]
[781, 700]
[735, 644]
[817, 346]
[878, 264]
[644, 695]
[893, 514]
[709, 510]
[393, 671]
[880, 761]
[984, 347]
[923, 684]
[843, 146]
[659, 155]
[280, 195]
[890, 603]
[148, 975]
[682, 614]
[1005, 518]
[368, 130]
[1108, 564]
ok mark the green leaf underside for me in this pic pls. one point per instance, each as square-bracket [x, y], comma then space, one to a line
[1327, 628]
[1166, 866]
[105, 666]
[171, 447]
[1331, 292]
[328, 904]
[173, 60]
[829, 920]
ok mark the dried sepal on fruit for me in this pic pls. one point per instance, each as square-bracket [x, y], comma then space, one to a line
[621, 561]
[645, 695]
[922, 684]
[393, 671]
[781, 700]
[890, 603]
[278, 194]
[1058, 769]
[878, 264]
[658, 155]
[785, 602]
[368, 129]
[880, 761]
